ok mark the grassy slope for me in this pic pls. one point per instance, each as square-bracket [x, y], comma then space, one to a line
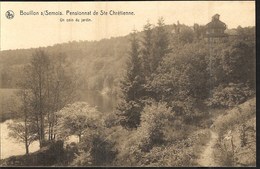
[231, 122]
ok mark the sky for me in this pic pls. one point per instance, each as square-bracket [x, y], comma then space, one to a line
[28, 31]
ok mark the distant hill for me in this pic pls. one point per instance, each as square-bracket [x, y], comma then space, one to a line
[100, 63]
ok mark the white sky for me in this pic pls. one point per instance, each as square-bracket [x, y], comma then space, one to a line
[36, 31]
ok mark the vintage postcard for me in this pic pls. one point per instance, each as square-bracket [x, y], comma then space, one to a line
[159, 83]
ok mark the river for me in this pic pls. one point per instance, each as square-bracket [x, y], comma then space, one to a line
[10, 147]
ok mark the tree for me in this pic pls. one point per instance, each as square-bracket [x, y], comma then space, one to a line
[75, 118]
[246, 33]
[9, 107]
[160, 49]
[5, 78]
[177, 77]
[97, 149]
[147, 49]
[161, 44]
[186, 35]
[36, 81]
[52, 87]
[131, 88]
[88, 124]
[61, 87]
[24, 130]
[154, 120]
[230, 95]
[239, 64]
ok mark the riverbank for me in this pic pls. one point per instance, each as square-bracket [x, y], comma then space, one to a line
[9, 146]
[49, 155]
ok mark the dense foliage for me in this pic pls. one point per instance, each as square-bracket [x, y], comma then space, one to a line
[131, 88]
[75, 118]
[166, 82]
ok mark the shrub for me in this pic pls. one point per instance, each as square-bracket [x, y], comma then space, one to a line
[111, 120]
[97, 149]
[151, 132]
[186, 111]
[229, 96]
[186, 35]
[129, 154]
[83, 159]
[71, 152]
[154, 120]
[75, 118]
[238, 63]
[222, 156]
[179, 154]
[235, 116]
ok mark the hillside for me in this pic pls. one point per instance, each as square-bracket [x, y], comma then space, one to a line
[232, 140]
[237, 135]
[176, 85]
[99, 63]
[9, 103]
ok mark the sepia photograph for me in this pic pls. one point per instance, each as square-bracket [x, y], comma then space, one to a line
[128, 84]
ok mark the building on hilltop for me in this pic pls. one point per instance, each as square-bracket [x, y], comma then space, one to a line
[215, 30]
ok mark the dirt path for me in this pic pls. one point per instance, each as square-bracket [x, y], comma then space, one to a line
[207, 157]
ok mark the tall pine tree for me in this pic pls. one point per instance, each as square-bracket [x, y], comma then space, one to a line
[147, 46]
[161, 44]
[159, 48]
[131, 88]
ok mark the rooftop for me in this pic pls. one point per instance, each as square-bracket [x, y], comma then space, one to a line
[216, 23]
